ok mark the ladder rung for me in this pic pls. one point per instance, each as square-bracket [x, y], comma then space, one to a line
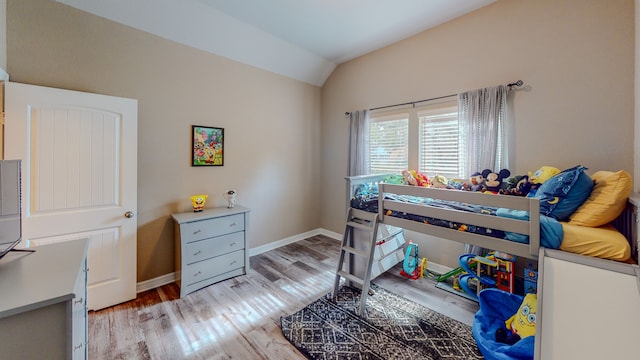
[355, 251]
[361, 214]
[360, 225]
[351, 277]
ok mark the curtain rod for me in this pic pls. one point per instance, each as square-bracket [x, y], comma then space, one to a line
[513, 84]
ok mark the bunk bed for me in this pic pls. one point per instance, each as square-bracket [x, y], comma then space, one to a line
[385, 206]
[521, 235]
[405, 207]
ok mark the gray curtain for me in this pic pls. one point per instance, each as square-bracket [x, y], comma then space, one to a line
[485, 117]
[359, 143]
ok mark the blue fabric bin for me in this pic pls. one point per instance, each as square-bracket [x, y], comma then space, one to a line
[496, 306]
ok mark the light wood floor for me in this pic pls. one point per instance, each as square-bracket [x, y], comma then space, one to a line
[239, 318]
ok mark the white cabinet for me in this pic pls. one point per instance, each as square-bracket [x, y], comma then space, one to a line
[210, 246]
[43, 308]
[388, 252]
[588, 308]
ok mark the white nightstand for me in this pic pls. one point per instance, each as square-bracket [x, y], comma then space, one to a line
[210, 246]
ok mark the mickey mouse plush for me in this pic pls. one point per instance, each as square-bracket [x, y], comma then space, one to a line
[493, 180]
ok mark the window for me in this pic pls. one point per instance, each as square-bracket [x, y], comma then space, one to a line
[389, 144]
[426, 138]
[441, 144]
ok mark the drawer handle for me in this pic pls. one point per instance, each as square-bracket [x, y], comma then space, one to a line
[197, 253]
[79, 301]
[233, 243]
[78, 347]
[198, 273]
[233, 224]
[197, 231]
[233, 262]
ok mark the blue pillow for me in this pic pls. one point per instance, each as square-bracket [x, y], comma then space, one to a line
[561, 195]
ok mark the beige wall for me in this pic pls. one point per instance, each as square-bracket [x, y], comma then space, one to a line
[577, 57]
[3, 34]
[272, 123]
[636, 143]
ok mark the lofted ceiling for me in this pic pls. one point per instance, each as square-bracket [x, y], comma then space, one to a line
[300, 39]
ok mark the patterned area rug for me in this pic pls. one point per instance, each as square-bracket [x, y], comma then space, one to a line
[392, 328]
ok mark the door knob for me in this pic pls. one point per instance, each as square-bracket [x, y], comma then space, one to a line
[129, 214]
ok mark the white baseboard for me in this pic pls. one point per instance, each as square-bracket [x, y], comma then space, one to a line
[155, 282]
[331, 234]
[276, 244]
[171, 277]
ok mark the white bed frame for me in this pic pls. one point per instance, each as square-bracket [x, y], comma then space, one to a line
[530, 227]
[626, 223]
[615, 275]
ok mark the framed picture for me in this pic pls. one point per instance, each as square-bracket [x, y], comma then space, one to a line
[208, 146]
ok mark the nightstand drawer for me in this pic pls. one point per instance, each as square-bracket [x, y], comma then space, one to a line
[201, 284]
[203, 229]
[213, 267]
[204, 249]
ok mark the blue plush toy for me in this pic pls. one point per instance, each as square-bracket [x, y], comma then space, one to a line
[476, 182]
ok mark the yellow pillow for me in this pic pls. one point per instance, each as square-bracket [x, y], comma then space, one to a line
[604, 242]
[606, 201]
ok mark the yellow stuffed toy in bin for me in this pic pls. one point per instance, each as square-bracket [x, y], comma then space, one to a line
[522, 324]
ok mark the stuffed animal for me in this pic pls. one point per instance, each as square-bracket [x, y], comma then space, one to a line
[522, 324]
[476, 182]
[518, 185]
[510, 185]
[523, 187]
[540, 176]
[395, 179]
[493, 180]
[408, 177]
[439, 181]
[421, 179]
[456, 185]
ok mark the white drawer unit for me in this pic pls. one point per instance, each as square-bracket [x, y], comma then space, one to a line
[210, 246]
[388, 252]
[43, 302]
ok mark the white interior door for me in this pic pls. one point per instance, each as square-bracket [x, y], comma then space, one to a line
[79, 179]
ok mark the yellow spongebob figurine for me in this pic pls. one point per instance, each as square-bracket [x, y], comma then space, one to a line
[523, 322]
[198, 202]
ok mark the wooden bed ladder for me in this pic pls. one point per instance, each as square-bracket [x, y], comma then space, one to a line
[357, 219]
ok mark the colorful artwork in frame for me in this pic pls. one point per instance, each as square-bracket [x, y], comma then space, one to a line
[208, 146]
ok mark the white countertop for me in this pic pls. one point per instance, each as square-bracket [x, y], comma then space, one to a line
[47, 276]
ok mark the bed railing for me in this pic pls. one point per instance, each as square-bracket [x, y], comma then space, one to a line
[626, 223]
[529, 227]
[354, 181]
